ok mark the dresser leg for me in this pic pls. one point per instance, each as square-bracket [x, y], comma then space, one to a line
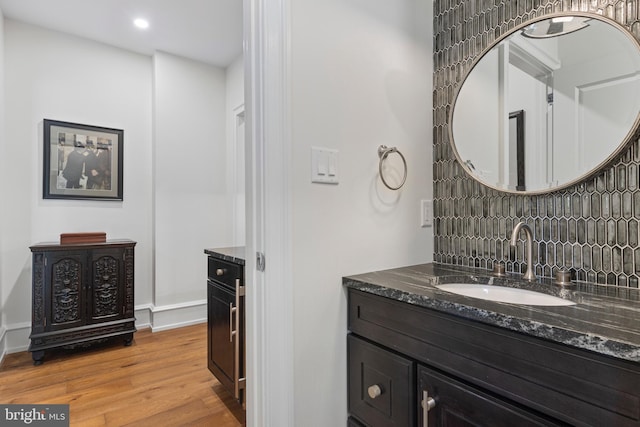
[128, 339]
[37, 357]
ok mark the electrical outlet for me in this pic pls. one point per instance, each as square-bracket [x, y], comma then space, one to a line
[426, 213]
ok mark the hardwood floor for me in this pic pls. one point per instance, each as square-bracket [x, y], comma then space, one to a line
[161, 380]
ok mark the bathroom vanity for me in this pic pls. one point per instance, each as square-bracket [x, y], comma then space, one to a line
[418, 355]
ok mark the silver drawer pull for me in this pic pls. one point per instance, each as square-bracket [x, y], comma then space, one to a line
[427, 403]
[239, 338]
[220, 272]
[374, 391]
[232, 312]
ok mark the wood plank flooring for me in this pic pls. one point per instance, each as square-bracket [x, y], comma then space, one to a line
[161, 380]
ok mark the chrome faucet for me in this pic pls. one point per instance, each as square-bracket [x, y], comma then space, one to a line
[529, 274]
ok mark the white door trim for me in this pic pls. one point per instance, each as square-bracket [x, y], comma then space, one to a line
[237, 158]
[269, 294]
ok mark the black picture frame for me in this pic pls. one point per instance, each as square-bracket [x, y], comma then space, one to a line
[81, 161]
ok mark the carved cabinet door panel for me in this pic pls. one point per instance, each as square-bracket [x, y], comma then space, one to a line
[65, 284]
[106, 290]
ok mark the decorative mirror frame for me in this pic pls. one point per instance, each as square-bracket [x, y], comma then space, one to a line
[632, 134]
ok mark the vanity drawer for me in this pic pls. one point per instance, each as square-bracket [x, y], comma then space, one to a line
[381, 385]
[224, 272]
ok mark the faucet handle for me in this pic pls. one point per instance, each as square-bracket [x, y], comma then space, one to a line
[498, 269]
[563, 277]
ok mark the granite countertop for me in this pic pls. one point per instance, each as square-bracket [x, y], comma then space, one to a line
[605, 319]
[233, 254]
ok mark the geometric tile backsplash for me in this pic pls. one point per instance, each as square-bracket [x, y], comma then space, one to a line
[591, 228]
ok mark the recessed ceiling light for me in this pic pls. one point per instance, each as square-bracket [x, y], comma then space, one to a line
[141, 23]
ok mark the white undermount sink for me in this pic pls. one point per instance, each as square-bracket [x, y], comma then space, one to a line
[504, 294]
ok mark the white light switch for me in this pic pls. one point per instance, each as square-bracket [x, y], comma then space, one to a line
[333, 164]
[324, 165]
[322, 168]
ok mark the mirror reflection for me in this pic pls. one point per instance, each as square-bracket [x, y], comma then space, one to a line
[548, 105]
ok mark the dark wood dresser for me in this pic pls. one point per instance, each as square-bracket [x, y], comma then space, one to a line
[81, 293]
[225, 318]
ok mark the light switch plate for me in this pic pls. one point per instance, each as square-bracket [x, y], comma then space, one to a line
[324, 165]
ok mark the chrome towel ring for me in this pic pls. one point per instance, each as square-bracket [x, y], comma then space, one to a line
[383, 152]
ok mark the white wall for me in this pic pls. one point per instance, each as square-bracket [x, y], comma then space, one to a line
[477, 130]
[361, 74]
[596, 96]
[191, 199]
[529, 94]
[236, 149]
[54, 76]
[235, 89]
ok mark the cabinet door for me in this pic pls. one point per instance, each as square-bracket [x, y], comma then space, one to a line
[221, 342]
[457, 404]
[106, 293]
[65, 284]
[381, 385]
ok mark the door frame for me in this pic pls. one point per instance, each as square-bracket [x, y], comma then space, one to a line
[269, 293]
[236, 157]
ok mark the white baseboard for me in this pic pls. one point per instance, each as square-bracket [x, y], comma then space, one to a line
[143, 316]
[15, 338]
[178, 315]
[3, 344]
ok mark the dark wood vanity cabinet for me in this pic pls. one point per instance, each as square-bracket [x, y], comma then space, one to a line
[81, 293]
[471, 374]
[225, 324]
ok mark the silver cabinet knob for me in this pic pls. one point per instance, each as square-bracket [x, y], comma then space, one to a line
[374, 391]
[431, 403]
[220, 272]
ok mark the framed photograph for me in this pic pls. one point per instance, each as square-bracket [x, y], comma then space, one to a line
[82, 161]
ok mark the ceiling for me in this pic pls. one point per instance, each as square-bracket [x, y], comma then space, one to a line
[209, 31]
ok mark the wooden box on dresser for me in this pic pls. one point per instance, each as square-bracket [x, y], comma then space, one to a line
[410, 365]
[81, 293]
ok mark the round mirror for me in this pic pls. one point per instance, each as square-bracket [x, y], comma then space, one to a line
[548, 104]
